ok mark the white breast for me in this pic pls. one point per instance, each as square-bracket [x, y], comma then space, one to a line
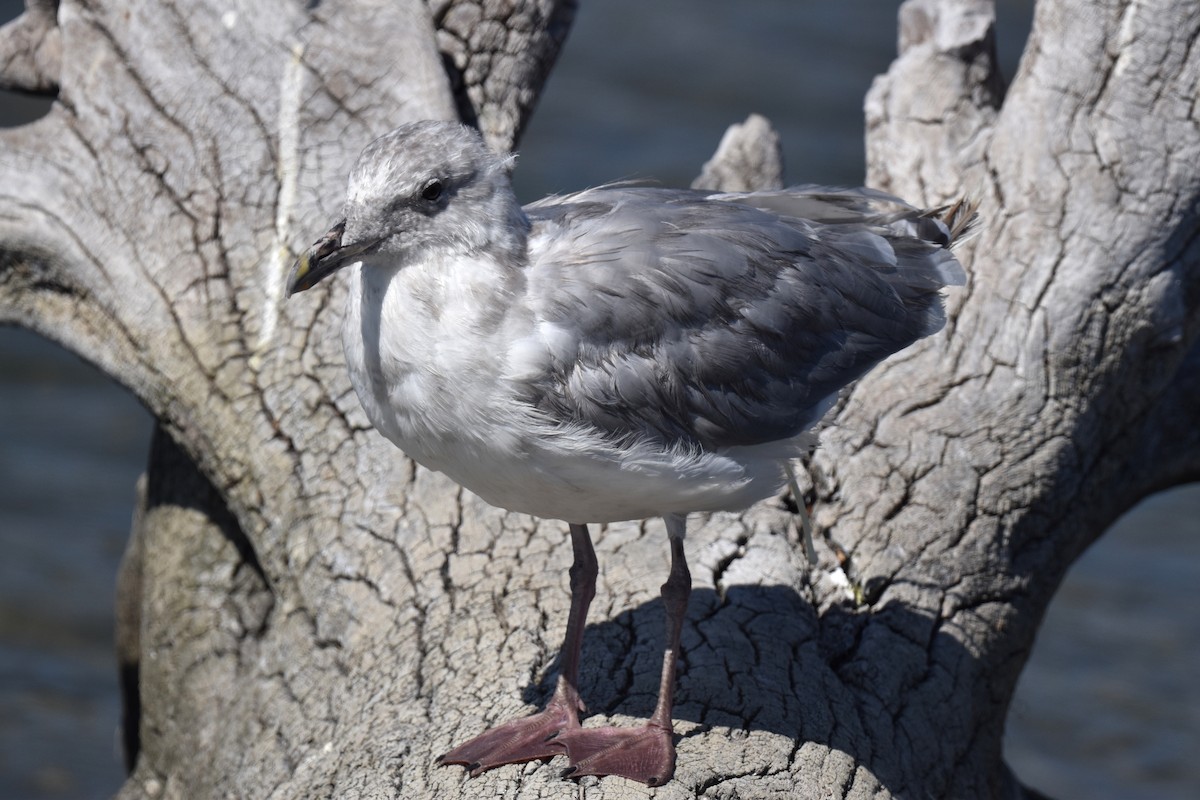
[424, 346]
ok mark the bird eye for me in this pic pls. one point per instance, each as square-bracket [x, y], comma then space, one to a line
[433, 191]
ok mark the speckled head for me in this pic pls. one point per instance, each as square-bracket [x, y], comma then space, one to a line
[423, 187]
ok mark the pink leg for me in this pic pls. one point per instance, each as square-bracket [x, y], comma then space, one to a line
[645, 753]
[530, 737]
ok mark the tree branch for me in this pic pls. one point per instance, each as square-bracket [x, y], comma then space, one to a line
[749, 157]
[31, 50]
[498, 56]
[966, 475]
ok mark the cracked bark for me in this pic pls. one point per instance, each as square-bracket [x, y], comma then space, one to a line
[308, 615]
[496, 54]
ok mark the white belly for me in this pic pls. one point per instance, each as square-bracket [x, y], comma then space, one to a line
[562, 477]
[433, 378]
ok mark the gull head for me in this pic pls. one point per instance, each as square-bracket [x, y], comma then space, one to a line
[425, 189]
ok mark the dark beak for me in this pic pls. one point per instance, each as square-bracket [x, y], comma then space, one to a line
[324, 258]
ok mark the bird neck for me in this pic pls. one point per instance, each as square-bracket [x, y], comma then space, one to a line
[508, 236]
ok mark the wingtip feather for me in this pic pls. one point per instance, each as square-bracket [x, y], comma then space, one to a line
[961, 219]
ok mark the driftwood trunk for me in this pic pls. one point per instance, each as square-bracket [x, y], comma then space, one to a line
[306, 614]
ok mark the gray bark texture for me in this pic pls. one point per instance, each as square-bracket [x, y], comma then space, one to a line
[305, 614]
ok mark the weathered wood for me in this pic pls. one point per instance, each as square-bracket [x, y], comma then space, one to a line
[316, 617]
[970, 474]
[749, 157]
[497, 56]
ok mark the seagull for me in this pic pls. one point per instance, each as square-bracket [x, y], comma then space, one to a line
[619, 353]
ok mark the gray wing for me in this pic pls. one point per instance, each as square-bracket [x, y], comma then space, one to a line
[729, 319]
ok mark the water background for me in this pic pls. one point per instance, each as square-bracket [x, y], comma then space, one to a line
[1108, 707]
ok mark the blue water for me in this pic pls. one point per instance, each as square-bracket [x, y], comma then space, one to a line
[1108, 707]
[71, 447]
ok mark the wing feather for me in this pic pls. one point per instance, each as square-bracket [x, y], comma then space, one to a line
[712, 321]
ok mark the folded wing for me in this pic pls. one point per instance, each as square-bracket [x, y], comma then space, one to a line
[717, 320]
